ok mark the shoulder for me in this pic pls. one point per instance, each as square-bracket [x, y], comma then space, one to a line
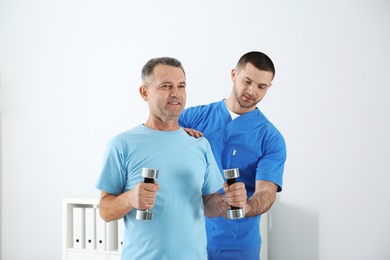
[126, 136]
[202, 108]
[193, 116]
[263, 120]
[266, 128]
[200, 141]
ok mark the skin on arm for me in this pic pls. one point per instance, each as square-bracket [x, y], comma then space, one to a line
[262, 199]
[113, 207]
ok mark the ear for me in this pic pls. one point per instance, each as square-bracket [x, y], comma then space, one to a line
[143, 90]
[233, 74]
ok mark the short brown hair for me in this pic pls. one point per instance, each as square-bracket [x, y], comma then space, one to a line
[257, 59]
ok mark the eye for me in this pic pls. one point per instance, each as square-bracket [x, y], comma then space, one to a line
[247, 82]
[182, 86]
[165, 86]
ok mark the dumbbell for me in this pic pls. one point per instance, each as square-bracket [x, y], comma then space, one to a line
[149, 175]
[231, 176]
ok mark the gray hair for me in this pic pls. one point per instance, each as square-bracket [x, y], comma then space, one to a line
[147, 70]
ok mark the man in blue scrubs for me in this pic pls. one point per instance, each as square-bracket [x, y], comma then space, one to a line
[242, 137]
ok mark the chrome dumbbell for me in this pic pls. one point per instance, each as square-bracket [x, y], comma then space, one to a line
[231, 176]
[149, 175]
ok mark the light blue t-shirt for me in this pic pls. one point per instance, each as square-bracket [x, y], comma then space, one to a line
[187, 171]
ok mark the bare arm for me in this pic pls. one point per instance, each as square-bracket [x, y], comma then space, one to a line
[217, 204]
[262, 199]
[113, 207]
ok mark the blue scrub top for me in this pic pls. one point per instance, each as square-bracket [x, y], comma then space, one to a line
[251, 143]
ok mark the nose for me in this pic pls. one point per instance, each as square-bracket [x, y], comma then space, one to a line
[250, 88]
[174, 91]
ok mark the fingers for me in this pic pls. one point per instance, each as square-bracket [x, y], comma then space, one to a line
[237, 186]
[235, 194]
[152, 187]
[145, 195]
[193, 132]
[197, 134]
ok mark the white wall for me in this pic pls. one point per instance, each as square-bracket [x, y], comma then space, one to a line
[70, 72]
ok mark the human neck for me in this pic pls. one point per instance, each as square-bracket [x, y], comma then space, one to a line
[161, 125]
[235, 107]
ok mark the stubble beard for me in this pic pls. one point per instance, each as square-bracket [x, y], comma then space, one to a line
[242, 103]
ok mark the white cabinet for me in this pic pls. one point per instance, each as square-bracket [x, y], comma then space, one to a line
[85, 235]
[76, 224]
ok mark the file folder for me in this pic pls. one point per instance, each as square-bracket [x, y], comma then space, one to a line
[100, 232]
[90, 229]
[78, 228]
[121, 230]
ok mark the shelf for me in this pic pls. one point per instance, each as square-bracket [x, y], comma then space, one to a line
[113, 232]
[85, 235]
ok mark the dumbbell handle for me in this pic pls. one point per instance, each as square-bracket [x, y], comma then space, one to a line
[148, 180]
[230, 182]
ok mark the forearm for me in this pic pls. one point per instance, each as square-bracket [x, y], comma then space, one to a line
[113, 207]
[259, 203]
[212, 206]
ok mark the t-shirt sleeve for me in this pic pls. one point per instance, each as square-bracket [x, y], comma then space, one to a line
[213, 177]
[112, 177]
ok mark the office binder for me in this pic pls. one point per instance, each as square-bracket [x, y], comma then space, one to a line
[121, 230]
[78, 228]
[100, 232]
[90, 229]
